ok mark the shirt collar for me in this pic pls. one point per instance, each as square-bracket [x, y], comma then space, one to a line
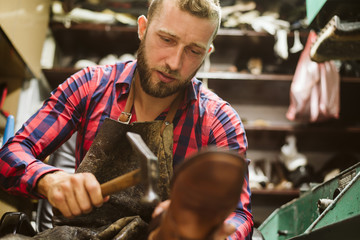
[127, 70]
[192, 91]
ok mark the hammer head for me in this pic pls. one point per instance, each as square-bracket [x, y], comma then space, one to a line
[148, 168]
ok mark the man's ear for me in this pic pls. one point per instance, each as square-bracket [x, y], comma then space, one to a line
[211, 49]
[142, 25]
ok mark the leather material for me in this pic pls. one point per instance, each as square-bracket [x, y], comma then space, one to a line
[123, 229]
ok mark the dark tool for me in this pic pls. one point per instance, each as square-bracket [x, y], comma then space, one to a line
[16, 222]
[338, 40]
[147, 173]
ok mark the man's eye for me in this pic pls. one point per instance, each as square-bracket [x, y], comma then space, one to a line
[165, 39]
[195, 52]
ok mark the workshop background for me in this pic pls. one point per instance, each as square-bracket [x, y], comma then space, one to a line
[289, 67]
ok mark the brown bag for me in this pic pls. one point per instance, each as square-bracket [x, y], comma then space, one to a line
[315, 89]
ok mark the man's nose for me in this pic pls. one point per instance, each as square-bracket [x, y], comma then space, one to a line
[175, 58]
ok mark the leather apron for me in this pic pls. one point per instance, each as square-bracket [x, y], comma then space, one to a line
[110, 156]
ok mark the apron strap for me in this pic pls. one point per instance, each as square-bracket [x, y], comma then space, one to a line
[172, 111]
[126, 115]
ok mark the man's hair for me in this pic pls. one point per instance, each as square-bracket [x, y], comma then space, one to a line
[208, 9]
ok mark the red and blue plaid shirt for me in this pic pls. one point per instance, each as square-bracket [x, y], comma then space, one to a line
[89, 96]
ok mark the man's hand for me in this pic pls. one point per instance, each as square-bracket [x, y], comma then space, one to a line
[224, 230]
[71, 194]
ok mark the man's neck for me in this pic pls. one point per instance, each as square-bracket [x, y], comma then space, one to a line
[147, 107]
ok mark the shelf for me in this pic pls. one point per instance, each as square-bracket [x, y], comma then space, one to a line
[84, 41]
[251, 33]
[293, 193]
[309, 139]
[55, 26]
[350, 79]
[243, 76]
[263, 77]
[293, 128]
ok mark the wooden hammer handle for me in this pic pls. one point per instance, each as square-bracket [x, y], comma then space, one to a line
[124, 181]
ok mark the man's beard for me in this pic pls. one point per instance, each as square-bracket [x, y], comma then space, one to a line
[159, 89]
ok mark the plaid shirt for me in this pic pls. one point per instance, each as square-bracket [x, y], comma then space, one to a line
[89, 96]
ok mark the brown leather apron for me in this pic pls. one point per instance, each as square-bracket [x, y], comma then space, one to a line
[111, 155]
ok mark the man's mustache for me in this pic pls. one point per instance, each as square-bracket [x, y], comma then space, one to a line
[172, 73]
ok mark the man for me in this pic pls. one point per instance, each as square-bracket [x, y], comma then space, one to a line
[175, 40]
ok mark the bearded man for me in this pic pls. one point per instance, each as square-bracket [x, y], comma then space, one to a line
[159, 86]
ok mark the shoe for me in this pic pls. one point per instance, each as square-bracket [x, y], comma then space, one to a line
[205, 189]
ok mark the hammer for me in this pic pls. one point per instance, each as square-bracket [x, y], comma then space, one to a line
[147, 173]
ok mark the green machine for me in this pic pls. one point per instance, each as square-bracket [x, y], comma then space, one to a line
[329, 211]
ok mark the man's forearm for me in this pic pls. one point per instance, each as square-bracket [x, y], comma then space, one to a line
[20, 170]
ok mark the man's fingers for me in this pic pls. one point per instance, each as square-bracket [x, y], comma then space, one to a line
[58, 200]
[83, 201]
[224, 231]
[161, 207]
[229, 229]
[107, 198]
[73, 192]
[73, 204]
[92, 187]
